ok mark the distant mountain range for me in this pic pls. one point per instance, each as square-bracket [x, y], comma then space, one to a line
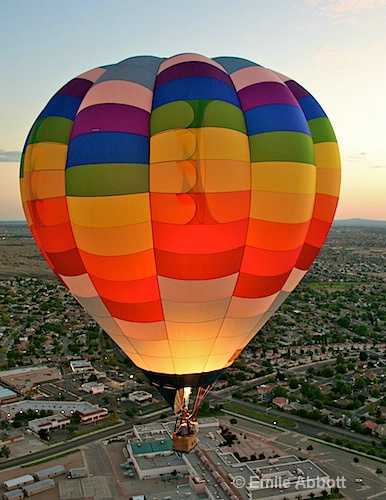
[359, 223]
[337, 223]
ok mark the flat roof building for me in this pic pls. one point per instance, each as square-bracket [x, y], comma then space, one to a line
[25, 379]
[49, 423]
[93, 387]
[78, 472]
[57, 470]
[38, 487]
[88, 412]
[140, 396]
[18, 482]
[17, 494]
[81, 366]
[6, 395]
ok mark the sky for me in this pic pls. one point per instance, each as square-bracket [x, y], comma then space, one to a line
[334, 48]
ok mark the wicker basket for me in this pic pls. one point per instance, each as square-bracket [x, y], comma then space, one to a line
[184, 444]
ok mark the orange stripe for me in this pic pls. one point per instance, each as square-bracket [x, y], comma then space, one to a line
[120, 268]
[276, 235]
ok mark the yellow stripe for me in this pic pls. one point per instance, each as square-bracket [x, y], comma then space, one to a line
[45, 156]
[327, 155]
[207, 143]
[282, 207]
[284, 177]
[123, 240]
[109, 211]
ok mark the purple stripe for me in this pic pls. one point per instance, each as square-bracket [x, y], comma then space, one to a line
[187, 69]
[112, 118]
[297, 90]
[77, 87]
[261, 94]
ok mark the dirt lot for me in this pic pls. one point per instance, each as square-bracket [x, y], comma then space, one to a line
[19, 255]
[70, 462]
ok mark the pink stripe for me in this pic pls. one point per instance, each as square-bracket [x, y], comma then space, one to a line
[118, 92]
[93, 74]
[253, 74]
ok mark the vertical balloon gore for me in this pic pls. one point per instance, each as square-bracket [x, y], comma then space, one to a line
[181, 200]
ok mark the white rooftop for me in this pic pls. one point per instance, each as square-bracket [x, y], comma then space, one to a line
[20, 371]
[59, 406]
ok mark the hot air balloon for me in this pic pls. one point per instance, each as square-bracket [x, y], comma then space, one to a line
[181, 200]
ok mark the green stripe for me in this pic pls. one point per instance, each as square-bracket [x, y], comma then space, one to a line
[108, 179]
[51, 129]
[196, 114]
[21, 174]
[321, 130]
[282, 146]
[171, 116]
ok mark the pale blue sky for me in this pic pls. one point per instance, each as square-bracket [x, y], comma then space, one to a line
[334, 48]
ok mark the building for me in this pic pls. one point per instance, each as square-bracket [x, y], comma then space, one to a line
[118, 383]
[57, 470]
[93, 387]
[89, 413]
[265, 393]
[212, 473]
[140, 396]
[78, 473]
[49, 423]
[13, 494]
[280, 402]
[7, 396]
[154, 458]
[24, 380]
[8, 438]
[18, 482]
[91, 416]
[370, 426]
[81, 366]
[38, 487]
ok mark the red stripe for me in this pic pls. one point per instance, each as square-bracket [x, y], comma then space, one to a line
[141, 312]
[259, 286]
[198, 267]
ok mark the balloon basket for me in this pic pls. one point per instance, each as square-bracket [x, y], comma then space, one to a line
[184, 444]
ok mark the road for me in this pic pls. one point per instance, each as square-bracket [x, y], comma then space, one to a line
[67, 446]
[335, 462]
[305, 426]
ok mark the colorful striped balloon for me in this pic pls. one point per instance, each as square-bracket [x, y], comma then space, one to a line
[181, 200]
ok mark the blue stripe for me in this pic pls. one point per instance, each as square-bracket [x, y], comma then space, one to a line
[62, 105]
[192, 88]
[311, 108]
[108, 147]
[275, 118]
[232, 64]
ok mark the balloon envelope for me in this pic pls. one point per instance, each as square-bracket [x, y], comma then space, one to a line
[181, 200]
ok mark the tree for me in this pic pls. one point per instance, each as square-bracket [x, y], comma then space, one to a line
[363, 356]
[280, 391]
[233, 421]
[43, 434]
[356, 460]
[131, 412]
[359, 383]
[293, 383]
[327, 372]
[5, 451]
[76, 418]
